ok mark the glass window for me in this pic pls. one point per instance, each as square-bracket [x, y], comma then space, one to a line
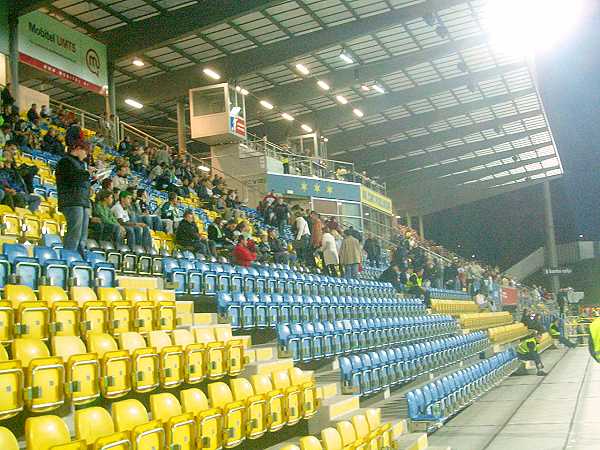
[208, 101]
[350, 209]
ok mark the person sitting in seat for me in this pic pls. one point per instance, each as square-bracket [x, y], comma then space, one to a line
[188, 236]
[217, 235]
[528, 350]
[392, 275]
[169, 213]
[242, 254]
[14, 185]
[51, 144]
[554, 330]
[137, 233]
[104, 223]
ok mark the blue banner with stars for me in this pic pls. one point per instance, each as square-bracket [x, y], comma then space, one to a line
[312, 187]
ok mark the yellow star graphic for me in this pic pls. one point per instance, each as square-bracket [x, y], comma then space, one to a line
[329, 189]
[317, 187]
[304, 186]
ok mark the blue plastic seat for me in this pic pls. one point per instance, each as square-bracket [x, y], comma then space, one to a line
[80, 271]
[104, 272]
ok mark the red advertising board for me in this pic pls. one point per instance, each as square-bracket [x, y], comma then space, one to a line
[510, 296]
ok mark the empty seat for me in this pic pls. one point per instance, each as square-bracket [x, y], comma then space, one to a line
[130, 415]
[95, 427]
[180, 427]
[256, 407]
[120, 312]
[209, 420]
[46, 432]
[193, 355]
[8, 441]
[115, 365]
[234, 425]
[94, 314]
[172, 373]
[32, 316]
[145, 362]
[215, 362]
[293, 396]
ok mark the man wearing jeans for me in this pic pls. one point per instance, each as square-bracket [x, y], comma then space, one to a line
[73, 186]
[138, 233]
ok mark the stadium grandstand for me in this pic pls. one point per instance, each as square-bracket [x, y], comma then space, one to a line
[212, 237]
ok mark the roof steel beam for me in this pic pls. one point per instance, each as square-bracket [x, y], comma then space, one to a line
[395, 151]
[370, 133]
[160, 30]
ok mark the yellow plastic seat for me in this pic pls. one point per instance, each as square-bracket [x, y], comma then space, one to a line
[94, 313]
[308, 388]
[209, 420]
[234, 350]
[193, 355]
[310, 443]
[215, 362]
[382, 433]
[31, 225]
[234, 427]
[33, 317]
[46, 432]
[331, 439]
[12, 379]
[8, 441]
[256, 407]
[180, 427]
[64, 314]
[95, 427]
[7, 322]
[275, 399]
[120, 313]
[172, 373]
[145, 362]
[44, 375]
[11, 222]
[293, 396]
[115, 365]
[166, 308]
[82, 369]
[49, 224]
[346, 433]
[143, 310]
[130, 415]
[363, 433]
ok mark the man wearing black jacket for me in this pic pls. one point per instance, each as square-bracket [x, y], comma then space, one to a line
[73, 186]
[216, 234]
[188, 236]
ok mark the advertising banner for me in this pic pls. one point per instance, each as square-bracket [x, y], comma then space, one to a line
[510, 296]
[48, 45]
[376, 200]
[312, 187]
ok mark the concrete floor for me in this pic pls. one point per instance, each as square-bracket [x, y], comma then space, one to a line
[560, 411]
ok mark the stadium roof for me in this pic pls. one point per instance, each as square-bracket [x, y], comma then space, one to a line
[451, 120]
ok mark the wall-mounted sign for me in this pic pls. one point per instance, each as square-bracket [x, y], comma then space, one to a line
[376, 200]
[558, 271]
[313, 187]
[48, 45]
[237, 126]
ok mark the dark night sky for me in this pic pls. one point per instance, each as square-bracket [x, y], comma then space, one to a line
[504, 229]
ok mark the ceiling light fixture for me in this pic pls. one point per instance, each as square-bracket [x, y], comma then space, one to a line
[138, 62]
[134, 103]
[266, 104]
[379, 89]
[357, 112]
[340, 98]
[211, 73]
[287, 116]
[204, 168]
[302, 69]
[323, 85]
[244, 92]
[306, 128]
[346, 57]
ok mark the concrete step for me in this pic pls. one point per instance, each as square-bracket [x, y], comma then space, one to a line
[267, 367]
[333, 409]
[124, 281]
[327, 390]
[412, 441]
[205, 319]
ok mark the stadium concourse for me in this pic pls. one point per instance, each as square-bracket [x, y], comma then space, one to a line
[244, 292]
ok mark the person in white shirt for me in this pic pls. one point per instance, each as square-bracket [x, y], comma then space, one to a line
[330, 253]
[302, 242]
[120, 179]
[137, 233]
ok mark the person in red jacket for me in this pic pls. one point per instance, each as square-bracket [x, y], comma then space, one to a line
[242, 253]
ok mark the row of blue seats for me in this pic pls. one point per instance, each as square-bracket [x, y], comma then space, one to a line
[193, 276]
[311, 341]
[368, 373]
[448, 294]
[55, 267]
[437, 401]
[249, 311]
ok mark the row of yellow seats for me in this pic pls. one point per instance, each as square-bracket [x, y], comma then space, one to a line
[485, 320]
[229, 415]
[507, 333]
[107, 310]
[545, 342]
[454, 307]
[361, 432]
[163, 240]
[22, 223]
[40, 380]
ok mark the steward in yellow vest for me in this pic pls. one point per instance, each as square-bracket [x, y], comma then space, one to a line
[594, 340]
[527, 350]
[554, 330]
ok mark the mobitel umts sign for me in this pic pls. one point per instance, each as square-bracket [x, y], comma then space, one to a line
[48, 45]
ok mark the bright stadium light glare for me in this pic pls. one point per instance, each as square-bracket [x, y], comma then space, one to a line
[340, 98]
[265, 104]
[357, 112]
[302, 69]
[323, 85]
[523, 27]
[138, 62]
[306, 128]
[244, 92]
[211, 73]
[134, 103]
[287, 116]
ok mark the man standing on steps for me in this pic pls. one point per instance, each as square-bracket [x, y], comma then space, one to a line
[527, 350]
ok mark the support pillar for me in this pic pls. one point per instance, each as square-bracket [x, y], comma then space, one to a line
[13, 47]
[408, 221]
[551, 255]
[111, 104]
[421, 228]
[181, 140]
